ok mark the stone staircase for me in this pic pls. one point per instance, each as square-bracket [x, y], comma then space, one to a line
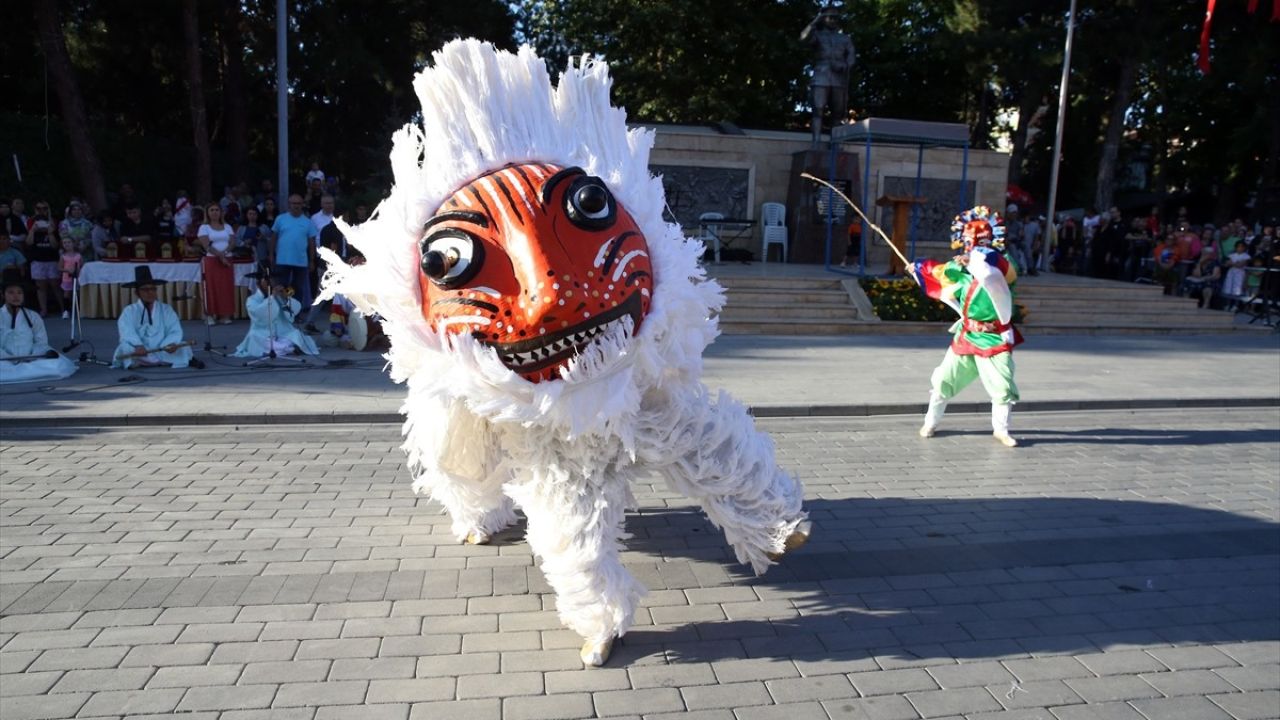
[1054, 305]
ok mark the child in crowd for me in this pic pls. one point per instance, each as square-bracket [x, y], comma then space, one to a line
[315, 173]
[1233, 285]
[69, 263]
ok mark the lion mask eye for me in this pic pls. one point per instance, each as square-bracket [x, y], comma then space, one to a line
[451, 257]
[589, 204]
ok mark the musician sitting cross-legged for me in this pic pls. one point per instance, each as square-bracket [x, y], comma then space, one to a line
[272, 310]
[150, 333]
[25, 354]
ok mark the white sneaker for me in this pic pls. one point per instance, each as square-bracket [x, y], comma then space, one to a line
[1005, 439]
[926, 431]
[66, 315]
[209, 321]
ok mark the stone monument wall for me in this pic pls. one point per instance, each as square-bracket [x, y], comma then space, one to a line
[733, 174]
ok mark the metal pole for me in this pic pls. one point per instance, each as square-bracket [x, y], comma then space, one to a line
[831, 201]
[1051, 229]
[282, 105]
[915, 209]
[866, 182]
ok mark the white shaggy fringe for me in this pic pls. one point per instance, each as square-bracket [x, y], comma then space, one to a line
[479, 436]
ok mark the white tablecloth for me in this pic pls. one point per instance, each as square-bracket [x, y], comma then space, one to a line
[116, 273]
[102, 293]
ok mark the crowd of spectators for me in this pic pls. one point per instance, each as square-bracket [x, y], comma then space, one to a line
[1202, 261]
[49, 246]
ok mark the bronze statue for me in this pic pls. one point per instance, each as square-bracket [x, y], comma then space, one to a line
[832, 58]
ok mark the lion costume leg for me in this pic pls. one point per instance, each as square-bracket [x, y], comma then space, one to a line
[575, 530]
[712, 453]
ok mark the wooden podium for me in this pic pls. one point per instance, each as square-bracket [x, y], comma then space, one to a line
[901, 205]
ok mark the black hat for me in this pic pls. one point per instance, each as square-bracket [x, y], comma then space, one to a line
[12, 276]
[142, 276]
[262, 271]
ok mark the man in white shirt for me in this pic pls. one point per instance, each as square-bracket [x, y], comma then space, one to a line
[150, 333]
[25, 354]
[324, 217]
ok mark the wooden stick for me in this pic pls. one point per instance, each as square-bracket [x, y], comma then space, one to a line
[875, 227]
[184, 343]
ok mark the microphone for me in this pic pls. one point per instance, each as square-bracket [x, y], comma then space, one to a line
[69, 346]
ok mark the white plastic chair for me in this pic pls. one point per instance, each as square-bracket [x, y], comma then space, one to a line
[710, 232]
[774, 228]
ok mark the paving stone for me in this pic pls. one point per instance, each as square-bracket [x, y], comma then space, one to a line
[333, 692]
[1257, 677]
[280, 672]
[892, 682]
[1259, 705]
[1180, 708]
[1188, 682]
[787, 711]
[490, 709]
[44, 707]
[79, 658]
[372, 668]
[161, 655]
[411, 691]
[132, 702]
[364, 712]
[215, 698]
[1051, 668]
[884, 707]
[727, 695]
[31, 683]
[963, 701]
[681, 675]
[825, 687]
[1192, 658]
[1127, 662]
[586, 680]
[98, 680]
[550, 707]
[1038, 694]
[1100, 711]
[966, 675]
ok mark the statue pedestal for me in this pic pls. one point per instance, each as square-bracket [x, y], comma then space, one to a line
[901, 205]
[807, 205]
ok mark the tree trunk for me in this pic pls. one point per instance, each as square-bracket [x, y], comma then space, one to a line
[1027, 106]
[53, 44]
[1106, 180]
[233, 90]
[195, 92]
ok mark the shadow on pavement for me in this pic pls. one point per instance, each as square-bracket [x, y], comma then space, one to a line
[1085, 575]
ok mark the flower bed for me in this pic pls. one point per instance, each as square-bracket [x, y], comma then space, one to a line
[901, 299]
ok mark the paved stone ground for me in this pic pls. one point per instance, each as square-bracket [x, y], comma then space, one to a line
[1119, 565]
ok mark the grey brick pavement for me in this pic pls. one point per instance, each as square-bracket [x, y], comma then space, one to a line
[1119, 565]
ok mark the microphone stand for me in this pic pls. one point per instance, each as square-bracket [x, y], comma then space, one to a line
[276, 307]
[77, 329]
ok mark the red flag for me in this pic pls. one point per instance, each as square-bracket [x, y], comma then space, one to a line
[1202, 61]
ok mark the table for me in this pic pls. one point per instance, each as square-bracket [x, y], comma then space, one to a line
[725, 232]
[102, 294]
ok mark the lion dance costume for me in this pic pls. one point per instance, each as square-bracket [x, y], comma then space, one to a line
[549, 325]
[979, 286]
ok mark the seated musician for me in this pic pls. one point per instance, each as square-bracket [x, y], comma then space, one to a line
[272, 310]
[150, 333]
[25, 354]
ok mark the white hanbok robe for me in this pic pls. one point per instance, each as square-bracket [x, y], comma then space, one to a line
[151, 330]
[23, 334]
[264, 312]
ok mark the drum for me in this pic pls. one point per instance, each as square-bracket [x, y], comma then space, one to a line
[357, 329]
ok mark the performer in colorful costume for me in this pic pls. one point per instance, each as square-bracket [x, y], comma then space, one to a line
[549, 325]
[979, 286]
